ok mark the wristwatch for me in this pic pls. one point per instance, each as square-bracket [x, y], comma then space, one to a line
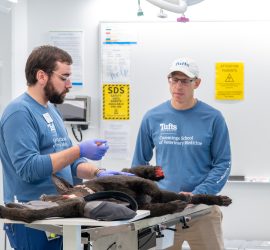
[99, 170]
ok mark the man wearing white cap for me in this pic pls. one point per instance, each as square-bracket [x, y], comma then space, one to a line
[192, 145]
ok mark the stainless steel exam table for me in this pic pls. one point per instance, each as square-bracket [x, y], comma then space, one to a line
[111, 234]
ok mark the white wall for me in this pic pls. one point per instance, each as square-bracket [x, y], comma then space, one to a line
[247, 122]
[19, 34]
[5, 82]
[248, 216]
[32, 19]
[5, 60]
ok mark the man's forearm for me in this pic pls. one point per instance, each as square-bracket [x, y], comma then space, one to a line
[64, 158]
[86, 170]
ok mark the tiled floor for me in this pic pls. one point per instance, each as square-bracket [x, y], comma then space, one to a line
[247, 245]
[240, 245]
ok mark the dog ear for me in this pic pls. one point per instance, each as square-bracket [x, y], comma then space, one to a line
[62, 186]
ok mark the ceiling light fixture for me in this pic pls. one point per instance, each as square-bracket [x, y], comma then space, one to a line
[176, 6]
[139, 12]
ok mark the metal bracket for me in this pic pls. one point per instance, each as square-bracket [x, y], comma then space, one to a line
[184, 220]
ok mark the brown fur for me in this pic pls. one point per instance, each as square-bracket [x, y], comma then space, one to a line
[141, 187]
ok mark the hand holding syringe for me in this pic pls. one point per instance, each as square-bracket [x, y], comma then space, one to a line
[93, 149]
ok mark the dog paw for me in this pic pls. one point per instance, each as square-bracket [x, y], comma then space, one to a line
[224, 200]
[180, 205]
[43, 197]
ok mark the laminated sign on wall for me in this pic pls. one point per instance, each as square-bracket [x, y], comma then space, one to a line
[72, 42]
[230, 81]
[115, 101]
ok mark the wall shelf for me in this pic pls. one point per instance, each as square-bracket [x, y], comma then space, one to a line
[260, 182]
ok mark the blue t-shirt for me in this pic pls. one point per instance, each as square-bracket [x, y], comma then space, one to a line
[29, 132]
[192, 147]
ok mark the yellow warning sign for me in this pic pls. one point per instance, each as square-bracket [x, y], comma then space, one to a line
[230, 81]
[116, 101]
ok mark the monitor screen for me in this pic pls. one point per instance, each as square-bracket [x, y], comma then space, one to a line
[75, 110]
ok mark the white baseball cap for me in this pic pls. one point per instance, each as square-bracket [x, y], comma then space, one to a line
[185, 65]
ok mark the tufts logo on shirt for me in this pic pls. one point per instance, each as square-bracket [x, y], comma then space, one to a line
[168, 127]
[51, 127]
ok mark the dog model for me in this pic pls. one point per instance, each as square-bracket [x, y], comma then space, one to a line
[141, 187]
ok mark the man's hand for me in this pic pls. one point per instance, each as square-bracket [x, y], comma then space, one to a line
[188, 196]
[103, 173]
[93, 149]
[186, 193]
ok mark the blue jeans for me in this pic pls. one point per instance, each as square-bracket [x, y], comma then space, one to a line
[25, 238]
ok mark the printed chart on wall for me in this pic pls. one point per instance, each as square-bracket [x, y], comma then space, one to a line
[72, 42]
[115, 79]
[229, 81]
[116, 41]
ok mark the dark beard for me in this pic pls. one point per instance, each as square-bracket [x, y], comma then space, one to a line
[52, 95]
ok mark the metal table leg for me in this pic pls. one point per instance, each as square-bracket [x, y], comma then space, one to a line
[71, 237]
[117, 241]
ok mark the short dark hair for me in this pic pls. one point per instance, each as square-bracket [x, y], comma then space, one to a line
[172, 74]
[44, 58]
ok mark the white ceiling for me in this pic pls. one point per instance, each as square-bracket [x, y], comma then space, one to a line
[5, 6]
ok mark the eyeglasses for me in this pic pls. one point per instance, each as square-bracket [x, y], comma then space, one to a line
[63, 78]
[184, 81]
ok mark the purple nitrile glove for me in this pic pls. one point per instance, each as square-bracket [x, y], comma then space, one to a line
[93, 149]
[112, 172]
